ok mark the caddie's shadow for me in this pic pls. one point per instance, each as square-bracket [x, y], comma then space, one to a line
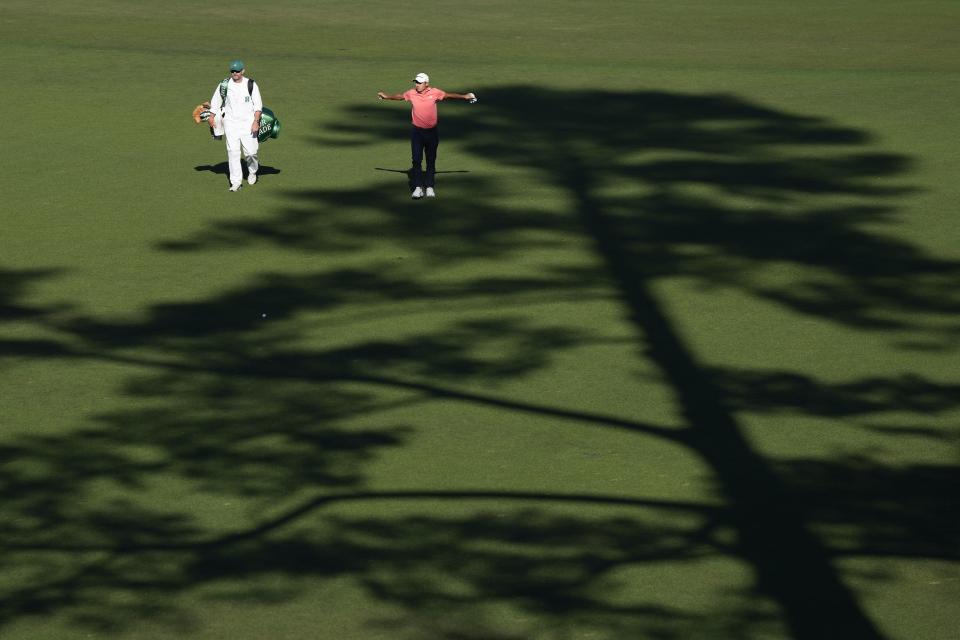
[223, 169]
[409, 173]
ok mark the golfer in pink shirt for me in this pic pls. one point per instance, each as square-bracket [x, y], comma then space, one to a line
[424, 137]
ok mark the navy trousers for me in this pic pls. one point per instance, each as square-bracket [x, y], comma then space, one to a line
[423, 142]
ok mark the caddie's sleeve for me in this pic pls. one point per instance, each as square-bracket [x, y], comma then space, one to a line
[257, 100]
[216, 104]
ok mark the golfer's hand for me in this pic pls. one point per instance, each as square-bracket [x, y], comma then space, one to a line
[472, 97]
[381, 95]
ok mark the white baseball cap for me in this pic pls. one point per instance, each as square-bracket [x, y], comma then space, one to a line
[421, 77]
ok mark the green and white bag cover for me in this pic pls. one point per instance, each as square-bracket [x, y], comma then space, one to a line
[269, 125]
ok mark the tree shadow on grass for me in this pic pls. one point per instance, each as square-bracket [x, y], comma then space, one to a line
[15, 285]
[711, 189]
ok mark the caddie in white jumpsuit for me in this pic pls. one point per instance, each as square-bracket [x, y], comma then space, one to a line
[238, 120]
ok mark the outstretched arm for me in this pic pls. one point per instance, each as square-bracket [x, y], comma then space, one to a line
[461, 96]
[384, 96]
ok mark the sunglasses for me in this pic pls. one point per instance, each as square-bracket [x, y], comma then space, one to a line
[238, 71]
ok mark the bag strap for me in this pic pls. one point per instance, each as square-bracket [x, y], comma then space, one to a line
[223, 92]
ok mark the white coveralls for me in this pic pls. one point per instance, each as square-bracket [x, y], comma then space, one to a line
[237, 119]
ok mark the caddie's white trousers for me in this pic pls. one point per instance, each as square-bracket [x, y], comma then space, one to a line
[239, 139]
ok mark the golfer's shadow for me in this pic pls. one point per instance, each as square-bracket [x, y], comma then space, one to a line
[409, 174]
[224, 169]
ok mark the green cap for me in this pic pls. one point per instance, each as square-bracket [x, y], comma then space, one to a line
[236, 65]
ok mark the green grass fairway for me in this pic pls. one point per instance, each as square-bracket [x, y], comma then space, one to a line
[673, 355]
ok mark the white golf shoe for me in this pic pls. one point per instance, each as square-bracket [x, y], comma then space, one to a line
[431, 193]
[252, 178]
[417, 193]
[234, 187]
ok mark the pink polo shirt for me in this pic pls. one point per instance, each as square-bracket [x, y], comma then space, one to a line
[424, 104]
